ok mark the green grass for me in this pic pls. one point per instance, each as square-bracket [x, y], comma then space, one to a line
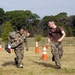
[33, 63]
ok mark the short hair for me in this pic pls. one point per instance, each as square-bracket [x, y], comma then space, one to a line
[19, 28]
[50, 20]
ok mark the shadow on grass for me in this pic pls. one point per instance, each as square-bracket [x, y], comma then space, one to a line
[8, 63]
[44, 64]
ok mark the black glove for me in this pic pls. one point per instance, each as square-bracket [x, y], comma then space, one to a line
[6, 48]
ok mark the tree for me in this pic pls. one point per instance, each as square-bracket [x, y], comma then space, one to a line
[1, 15]
[6, 29]
[20, 17]
[32, 22]
[60, 19]
[1, 12]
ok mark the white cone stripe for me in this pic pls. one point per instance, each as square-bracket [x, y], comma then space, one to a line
[36, 42]
[36, 45]
[44, 48]
[44, 52]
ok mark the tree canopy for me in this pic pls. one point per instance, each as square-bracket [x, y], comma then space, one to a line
[32, 22]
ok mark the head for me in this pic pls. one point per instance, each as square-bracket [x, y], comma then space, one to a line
[21, 31]
[51, 24]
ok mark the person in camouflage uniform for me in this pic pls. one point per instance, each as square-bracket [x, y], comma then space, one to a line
[16, 39]
[56, 35]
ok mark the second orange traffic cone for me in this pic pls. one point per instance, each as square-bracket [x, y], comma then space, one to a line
[44, 55]
[36, 48]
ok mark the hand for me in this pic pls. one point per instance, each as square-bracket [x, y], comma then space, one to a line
[59, 40]
[47, 44]
[28, 34]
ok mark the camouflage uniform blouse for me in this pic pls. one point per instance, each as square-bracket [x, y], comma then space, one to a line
[16, 35]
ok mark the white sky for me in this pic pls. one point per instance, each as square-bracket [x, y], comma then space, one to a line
[40, 7]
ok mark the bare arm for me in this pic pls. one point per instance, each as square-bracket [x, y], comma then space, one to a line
[64, 34]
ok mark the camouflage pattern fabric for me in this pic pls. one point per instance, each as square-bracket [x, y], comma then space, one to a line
[57, 52]
[17, 45]
[19, 52]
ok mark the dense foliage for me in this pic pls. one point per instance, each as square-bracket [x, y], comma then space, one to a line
[32, 22]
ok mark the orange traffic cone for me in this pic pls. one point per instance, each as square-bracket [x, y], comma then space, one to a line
[36, 48]
[44, 55]
[0, 47]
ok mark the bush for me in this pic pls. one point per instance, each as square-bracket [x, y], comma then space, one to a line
[38, 37]
[7, 28]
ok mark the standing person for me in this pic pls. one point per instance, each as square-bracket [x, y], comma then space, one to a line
[56, 35]
[16, 39]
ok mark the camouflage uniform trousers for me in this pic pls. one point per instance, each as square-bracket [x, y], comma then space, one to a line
[57, 52]
[19, 52]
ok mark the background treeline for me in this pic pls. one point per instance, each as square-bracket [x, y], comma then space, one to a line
[11, 20]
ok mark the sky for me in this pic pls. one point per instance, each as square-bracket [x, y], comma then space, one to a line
[40, 7]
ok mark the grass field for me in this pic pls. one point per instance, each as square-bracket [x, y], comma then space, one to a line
[34, 65]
